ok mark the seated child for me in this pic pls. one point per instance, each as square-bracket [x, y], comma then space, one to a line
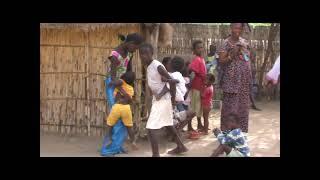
[176, 64]
[121, 109]
[232, 142]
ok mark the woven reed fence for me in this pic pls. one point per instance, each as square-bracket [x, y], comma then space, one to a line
[185, 34]
[72, 65]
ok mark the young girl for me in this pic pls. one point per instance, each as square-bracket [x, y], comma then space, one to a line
[120, 63]
[161, 114]
[206, 101]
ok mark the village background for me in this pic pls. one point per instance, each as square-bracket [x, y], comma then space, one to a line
[72, 91]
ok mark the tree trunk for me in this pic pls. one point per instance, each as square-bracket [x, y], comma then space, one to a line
[272, 34]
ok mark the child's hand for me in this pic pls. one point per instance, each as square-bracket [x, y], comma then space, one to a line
[158, 97]
[173, 81]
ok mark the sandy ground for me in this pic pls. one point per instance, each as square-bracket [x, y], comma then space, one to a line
[263, 139]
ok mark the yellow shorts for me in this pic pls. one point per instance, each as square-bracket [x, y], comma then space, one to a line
[120, 111]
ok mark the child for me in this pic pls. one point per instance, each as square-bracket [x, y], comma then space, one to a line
[211, 61]
[206, 100]
[186, 76]
[176, 64]
[166, 62]
[198, 67]
[121, 109]
[161, 110]
[233, 142]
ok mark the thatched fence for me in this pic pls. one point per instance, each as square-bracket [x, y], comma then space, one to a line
[72, 65]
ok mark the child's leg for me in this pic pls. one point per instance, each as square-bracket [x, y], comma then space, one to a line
[200, 126]
[206, 111]
[190, 126]
[188, 119]
[180, 146]
[132, 137]
[154, 142]
[221, 148]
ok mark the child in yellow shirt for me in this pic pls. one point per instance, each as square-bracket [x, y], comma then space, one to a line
[121, 109]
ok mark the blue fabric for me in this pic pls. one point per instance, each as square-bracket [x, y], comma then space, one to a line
[180, 107]
[119, 131]
[235, 139]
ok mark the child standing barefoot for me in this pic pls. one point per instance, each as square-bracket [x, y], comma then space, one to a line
[197, 67]
[161, 114]
[206, 101]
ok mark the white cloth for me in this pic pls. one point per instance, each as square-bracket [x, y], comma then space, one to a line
[161, 114]
[154, 79]
[188, 100]
[274, 73]
[161, 111]
[180, 87]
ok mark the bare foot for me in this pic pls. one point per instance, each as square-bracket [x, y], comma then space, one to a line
[178, 150]
[200, 127]
[134, 147]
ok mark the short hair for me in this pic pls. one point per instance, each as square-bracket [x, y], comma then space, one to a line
[128, 77]
[166, 60]
[177, 63]
[148, 46]
[194, 44]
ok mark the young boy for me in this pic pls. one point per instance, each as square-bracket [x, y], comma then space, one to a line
[161, 110]
[121, 109]
[198, 67]
[233, 142]
[206, 101]
[176, 64]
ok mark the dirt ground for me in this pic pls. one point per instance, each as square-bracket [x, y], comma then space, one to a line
[263, 139]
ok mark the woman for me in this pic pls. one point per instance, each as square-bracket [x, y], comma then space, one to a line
[235, 82]
[120, 63]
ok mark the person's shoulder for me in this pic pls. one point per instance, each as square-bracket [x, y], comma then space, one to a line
[154, 62]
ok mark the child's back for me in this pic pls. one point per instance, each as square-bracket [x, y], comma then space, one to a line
[180, 87]
[235, 139]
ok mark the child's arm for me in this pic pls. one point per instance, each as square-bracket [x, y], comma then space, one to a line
[162, 93]
[114, 64]
[163, 72]
[116, 83]
[186, 95]
[125, 95]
